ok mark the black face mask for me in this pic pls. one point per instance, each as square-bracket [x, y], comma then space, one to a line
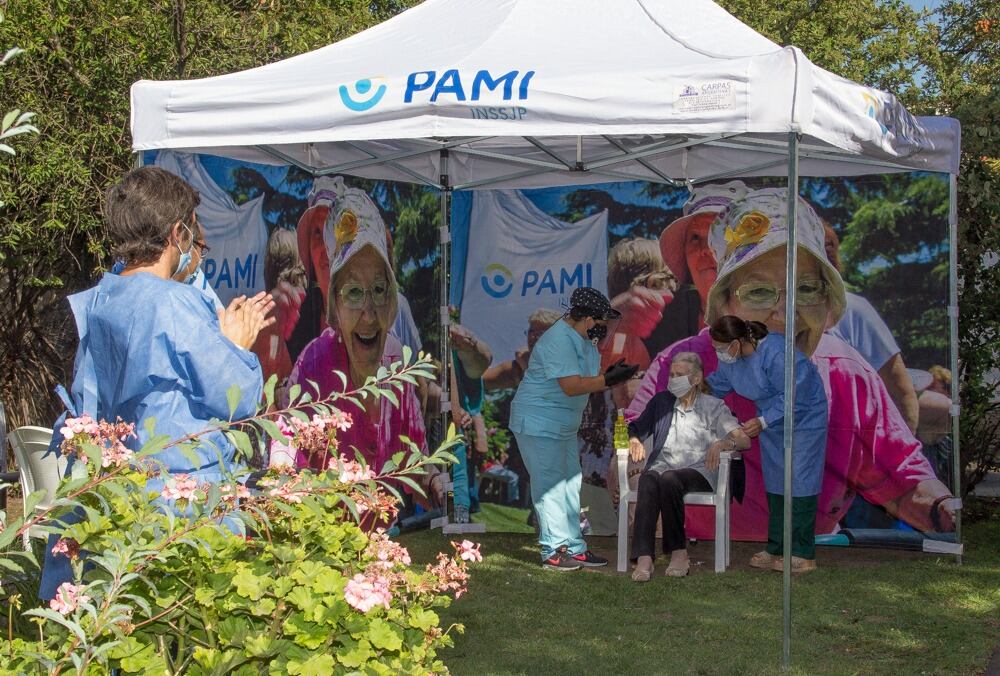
[597, 332]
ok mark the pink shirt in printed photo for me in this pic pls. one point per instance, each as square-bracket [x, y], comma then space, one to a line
[869, 449]
[376, 442]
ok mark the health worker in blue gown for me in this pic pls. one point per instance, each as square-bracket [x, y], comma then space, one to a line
[152, 346]
[545, 415]
[752, 363]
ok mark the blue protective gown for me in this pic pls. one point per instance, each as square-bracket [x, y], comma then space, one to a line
[152, 349]
[760, 377]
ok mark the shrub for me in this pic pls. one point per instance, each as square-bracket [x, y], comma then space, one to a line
[297, 576]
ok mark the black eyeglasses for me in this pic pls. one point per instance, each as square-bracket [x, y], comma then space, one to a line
[203, 248]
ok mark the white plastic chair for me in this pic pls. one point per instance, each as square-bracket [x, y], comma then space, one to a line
[38, 471]
[719, 499]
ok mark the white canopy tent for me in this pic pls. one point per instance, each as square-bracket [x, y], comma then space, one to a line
[465, 94]
[527, 93]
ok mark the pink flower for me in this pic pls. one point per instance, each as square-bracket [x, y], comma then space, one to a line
[68, 597]
[82, 425]
[116, 454]
[180, 487]
[289, 491]
[237, 492]
[386, 552]
[352, 470]
[468, 551]
[341, 420]
[364, 593]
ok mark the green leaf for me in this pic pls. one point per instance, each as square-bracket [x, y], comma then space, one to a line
[233, 399]
[303, 599]
[423, 619]
[249, 585]
[317, 665]
[329, 581]
[384, 635]
[354, 653]
[269, 390]
[242, 442]
[307, 634]
[271, 429]
[9, 118]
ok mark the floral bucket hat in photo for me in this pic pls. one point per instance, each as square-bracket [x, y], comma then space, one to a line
[354, 222]
[758, 223]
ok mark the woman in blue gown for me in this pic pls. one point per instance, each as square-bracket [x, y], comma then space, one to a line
[153, 347]
[752, 363]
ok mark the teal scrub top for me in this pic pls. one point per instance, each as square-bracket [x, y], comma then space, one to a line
[540, 407]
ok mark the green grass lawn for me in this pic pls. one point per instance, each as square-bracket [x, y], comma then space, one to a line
[862, 612]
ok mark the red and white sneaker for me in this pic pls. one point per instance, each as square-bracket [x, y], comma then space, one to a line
[562, 561]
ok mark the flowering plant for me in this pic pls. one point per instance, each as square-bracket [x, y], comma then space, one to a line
[294, 575]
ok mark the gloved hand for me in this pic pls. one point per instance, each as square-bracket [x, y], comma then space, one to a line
[619, 372]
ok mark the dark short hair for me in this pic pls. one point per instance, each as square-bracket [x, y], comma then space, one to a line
[728, 328]
[141, 210]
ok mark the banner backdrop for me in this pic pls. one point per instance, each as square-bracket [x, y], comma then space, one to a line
[519, 259]
[517, 255]
[888, 458]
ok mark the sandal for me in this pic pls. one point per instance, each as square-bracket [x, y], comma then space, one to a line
[764, 559]
[641, 575]
[678, 572]
[799, 565]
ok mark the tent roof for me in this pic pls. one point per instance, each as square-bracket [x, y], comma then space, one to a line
[541, 92]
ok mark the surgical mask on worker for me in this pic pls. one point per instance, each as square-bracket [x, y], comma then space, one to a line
[725, 357]
[597, 333]
[185, 258]
[679, 386]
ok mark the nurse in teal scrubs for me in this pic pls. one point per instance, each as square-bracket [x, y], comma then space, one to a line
[545, 416]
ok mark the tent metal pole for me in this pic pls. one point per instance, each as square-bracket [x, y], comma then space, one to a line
[789, 423]
[548, 151]
[136, 163]
[742, 171]
[445, 243]
[956, 458]
[644, 163]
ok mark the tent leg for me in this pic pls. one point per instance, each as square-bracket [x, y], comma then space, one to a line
[445, 318]
[789, 423]
[956, 459]
[136, 160]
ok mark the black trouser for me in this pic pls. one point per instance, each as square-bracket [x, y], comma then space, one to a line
[662, 494]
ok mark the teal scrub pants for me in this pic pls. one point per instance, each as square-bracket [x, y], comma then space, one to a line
[460, 477]
[554, 468]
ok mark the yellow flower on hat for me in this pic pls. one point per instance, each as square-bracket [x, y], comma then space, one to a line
[347, 228]
[752, 228]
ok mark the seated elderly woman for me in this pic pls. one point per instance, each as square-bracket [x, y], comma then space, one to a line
[361, 308]
[682, 431]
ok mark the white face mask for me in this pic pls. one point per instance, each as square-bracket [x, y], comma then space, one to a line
[679, 386]
[725, 357]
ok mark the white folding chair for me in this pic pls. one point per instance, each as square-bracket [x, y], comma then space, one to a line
[719, 499]
[38, 471]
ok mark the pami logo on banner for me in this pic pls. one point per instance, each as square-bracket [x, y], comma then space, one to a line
[428, 85]
[238, 273]
[520, 260]
[498, 280]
